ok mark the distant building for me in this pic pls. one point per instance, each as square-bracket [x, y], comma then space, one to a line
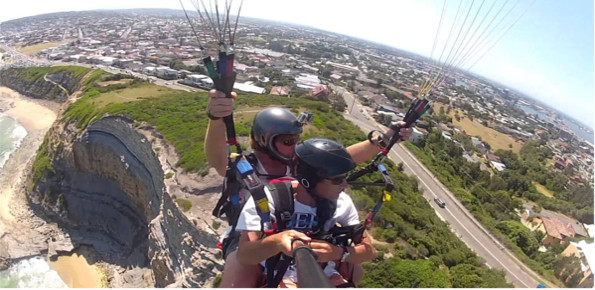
[498, 166]
[446, 135]
[566, 135]
[321, 92]
[586, 254]
[492, 157]
[416, 136]
[555, 231]
[342, 67]
[166, 73]
[249, 88]
[387, 109]
[307, 82]
[280, 91]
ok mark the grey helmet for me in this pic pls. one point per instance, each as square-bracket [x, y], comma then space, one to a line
[271, 122]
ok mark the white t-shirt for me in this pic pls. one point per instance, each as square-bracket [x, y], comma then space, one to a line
[345, 215]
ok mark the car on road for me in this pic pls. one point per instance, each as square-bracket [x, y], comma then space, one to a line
[168, 83]
[440, 203]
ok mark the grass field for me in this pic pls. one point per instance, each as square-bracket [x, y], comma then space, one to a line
[541, 189]
[496, 139]
[34, 49]
[131, 95]
[107, 83]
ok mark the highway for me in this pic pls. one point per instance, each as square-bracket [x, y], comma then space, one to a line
[459, 219]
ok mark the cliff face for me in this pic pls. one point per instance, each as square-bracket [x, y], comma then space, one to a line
[105, 188]
[44, 84]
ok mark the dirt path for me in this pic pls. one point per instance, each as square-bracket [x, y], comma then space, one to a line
[57, 84]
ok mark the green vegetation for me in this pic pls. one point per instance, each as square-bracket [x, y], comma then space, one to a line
[423, 246]
[216, 225]
[184, 204]
[496, 139]
[34, 74]
[169, 175]
[532, 165]
[542, 189]
[42, 161]
[491, 199]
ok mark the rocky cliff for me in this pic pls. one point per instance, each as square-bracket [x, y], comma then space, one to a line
[105, 189]
[49, 83]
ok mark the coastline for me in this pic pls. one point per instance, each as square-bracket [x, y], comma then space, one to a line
[19, 227]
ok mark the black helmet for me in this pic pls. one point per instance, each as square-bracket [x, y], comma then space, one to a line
[270, 123]
[323, 158]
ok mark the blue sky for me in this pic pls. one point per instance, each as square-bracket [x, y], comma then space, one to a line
[548, 54]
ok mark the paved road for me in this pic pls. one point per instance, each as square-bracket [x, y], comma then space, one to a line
[458, 220]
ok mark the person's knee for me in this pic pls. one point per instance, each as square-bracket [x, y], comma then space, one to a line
[358, 274]
[238, 275]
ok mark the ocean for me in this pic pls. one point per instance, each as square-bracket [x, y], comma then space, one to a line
[575, 128]
[30, 273]
[11, 135]
[34, 272]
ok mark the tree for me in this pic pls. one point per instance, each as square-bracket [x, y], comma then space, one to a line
[454, 258]
[326, 73]
[465, 276]
[520, 235]
[386, 119]
[398, 273]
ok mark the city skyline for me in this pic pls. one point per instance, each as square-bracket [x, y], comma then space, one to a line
[533, 57]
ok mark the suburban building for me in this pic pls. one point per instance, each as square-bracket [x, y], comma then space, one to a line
[555, 230]
[280, 91]
[320, 92]
[586, 254]
[342, 67]
[498, 166]
[417, 136]
[249, 88]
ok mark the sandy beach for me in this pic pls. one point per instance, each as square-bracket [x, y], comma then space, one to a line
[36, 116]
[31, 113]
[76, 272]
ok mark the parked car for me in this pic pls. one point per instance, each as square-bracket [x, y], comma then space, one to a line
[440, 203]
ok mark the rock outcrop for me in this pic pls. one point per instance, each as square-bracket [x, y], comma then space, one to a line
[106, 190]
[41, 85]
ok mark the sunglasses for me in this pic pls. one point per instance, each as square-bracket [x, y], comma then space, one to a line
[337, 180]
[288, 140]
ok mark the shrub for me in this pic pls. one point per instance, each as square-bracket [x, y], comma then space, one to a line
[184, 204]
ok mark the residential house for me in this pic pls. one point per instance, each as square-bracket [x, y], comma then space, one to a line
[498, 166]
[249, 88]
[307, 82]
[560, 164]
[492, 157]
[586, 254]
[480, 146]
[386, 108]
[280, 91]
[321, 92]
[555, 231]
[417, 135]
[166, 73]
[342, 67]
[335, 77]
[446, 135]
